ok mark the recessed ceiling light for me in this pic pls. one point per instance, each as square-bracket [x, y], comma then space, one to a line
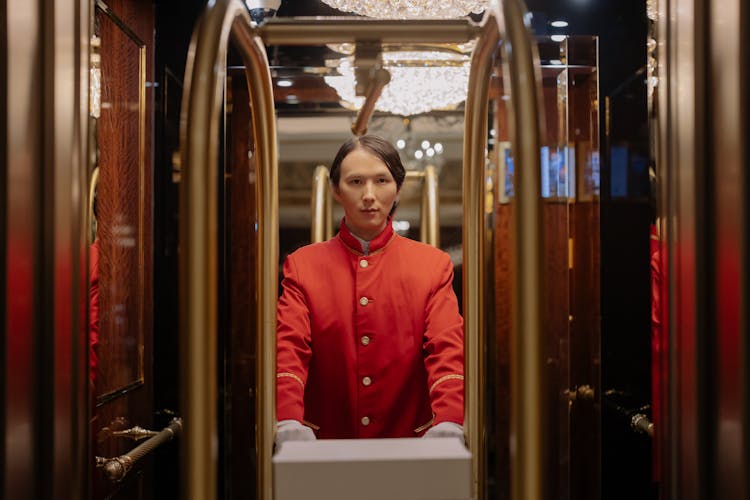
[284, 83]
[559, 24]
[558, 38]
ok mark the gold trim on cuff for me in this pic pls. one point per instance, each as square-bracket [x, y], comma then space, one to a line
[424, 426]
[291, 375]
[442, 379]
[311, 425]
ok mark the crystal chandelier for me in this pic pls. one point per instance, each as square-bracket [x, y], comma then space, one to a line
[408, 9]
[420, 82]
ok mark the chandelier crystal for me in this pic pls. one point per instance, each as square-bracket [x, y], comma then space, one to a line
[409, 9]
[420, 82]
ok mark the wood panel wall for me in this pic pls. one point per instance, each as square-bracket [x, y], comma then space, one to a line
[240, 289]
[122, 380]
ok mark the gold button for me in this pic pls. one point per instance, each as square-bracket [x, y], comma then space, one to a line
[365, 421]
[366, 381]
[363, 301]
[365, 340]
[363, 263]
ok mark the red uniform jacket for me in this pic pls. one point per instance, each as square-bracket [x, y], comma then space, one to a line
[369, 346]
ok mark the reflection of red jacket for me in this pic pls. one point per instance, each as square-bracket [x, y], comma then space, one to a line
[93, 308]
[369, 346]
[658, 343]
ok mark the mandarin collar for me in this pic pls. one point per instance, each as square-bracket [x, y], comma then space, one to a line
[376, 243]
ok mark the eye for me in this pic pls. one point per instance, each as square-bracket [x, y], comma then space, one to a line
[355, 181]
[382, 180]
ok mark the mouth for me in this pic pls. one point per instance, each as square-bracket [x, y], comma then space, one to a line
[369, 210]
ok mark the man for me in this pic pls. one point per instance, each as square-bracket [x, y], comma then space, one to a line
[369, 338]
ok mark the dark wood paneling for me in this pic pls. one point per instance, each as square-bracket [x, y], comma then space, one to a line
[240, 280]
[503, 325]
[123, 227]
[124, 215]
[555, 314]
[585, 350]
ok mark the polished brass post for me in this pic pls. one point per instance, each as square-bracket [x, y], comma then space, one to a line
[475, 253]
[529, 433]
[430, 226]
[322, 214]
[198, 270]
[267, 262]
[320, 31]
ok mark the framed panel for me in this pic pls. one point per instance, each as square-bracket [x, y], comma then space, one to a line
[121, 199]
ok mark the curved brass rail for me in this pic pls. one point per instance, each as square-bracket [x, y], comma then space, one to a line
[319, 31]
[202, 102]
[429, 228]
[530, 458]
[92, 222]
[322, 213]
[527, 386]
[476, 247]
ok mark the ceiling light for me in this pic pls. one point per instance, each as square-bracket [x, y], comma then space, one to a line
[558, 38]
[284, 83]
[409, 9]
[559, 24]
[420, 82]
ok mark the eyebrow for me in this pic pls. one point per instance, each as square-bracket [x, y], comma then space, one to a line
[387, 173]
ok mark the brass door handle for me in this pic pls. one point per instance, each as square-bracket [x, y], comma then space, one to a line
[583, 392]
[118, 467]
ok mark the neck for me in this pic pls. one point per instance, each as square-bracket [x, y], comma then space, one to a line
[367, 235]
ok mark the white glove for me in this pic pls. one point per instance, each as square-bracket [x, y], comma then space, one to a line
[292, 430]
[444, 430]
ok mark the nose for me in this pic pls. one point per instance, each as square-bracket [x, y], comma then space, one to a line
[368, 194]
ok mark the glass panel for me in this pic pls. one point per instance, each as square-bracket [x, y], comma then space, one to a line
[570, 238]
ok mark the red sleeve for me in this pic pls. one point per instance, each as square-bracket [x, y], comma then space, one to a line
[292, 346]
[444, 349]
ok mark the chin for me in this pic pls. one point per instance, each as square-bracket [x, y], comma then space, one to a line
[371, 224]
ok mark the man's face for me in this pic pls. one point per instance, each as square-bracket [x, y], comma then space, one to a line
[367, 192]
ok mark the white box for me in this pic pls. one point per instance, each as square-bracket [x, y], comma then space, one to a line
[373, 469]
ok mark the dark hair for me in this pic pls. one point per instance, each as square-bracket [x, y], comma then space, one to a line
[375, 145]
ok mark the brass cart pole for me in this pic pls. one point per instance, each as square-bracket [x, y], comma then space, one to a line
[430, 225]
[529, 457]
[322, 212]
[267, 260]
[204, 82]
[474, 249]
[528, 436]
